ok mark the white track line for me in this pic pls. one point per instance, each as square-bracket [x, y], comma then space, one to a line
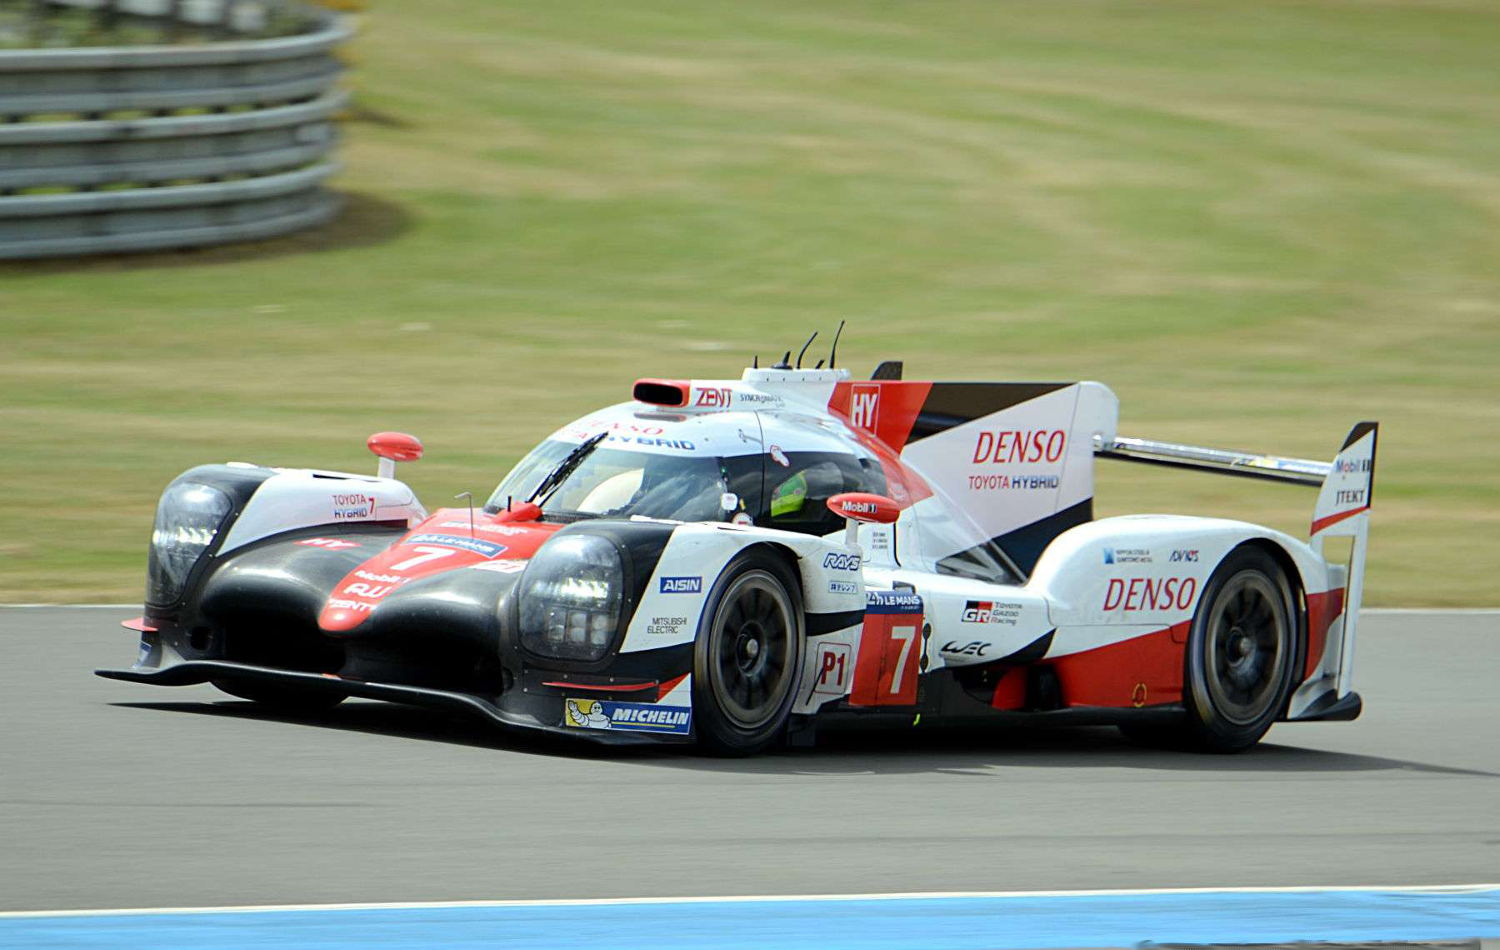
[766, 898]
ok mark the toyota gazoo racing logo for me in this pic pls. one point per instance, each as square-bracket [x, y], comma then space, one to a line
[834, 561]
[978, 611]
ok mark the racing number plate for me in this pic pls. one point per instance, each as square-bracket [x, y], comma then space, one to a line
[890, 650]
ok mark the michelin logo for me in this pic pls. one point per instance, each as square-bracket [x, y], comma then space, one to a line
[627, 717]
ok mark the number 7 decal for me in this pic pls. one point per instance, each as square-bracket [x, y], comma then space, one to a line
[428, 554]
[890, 649]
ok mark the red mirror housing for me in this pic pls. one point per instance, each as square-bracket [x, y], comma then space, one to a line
[865, 506]
[396, 446]
[520, 511]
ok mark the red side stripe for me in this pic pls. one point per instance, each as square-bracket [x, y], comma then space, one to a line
[668, 686]
[605, 687]
[138, 624]
[1322, 523]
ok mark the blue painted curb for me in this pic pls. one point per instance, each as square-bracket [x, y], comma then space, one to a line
[1016, 922]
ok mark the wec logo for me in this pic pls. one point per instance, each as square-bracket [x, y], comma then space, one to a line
[840, 562]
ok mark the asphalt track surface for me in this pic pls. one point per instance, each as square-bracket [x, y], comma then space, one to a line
[120, 795]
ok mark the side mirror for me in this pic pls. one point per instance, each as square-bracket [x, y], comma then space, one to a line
[857, 506]
[393, 447]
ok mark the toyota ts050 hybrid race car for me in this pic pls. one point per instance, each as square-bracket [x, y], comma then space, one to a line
[741, 562]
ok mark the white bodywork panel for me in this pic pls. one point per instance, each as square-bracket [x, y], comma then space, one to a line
[305, 498]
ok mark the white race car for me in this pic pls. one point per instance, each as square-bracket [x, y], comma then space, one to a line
[741, 562]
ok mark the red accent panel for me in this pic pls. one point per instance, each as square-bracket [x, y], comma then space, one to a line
[606, 687]
[139, 625]
[1322, 610]
[881, 414]
[1010, 691]
[363, 588]
[669, 685]
[888, 645]
[1111, 675]
[396, 446]
[1322, 523]
[885, 409]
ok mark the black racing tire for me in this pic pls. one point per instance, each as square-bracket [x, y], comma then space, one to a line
[282, 697]
[1241, 654]
[748, 655]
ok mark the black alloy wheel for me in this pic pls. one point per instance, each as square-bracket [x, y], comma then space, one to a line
[1242, 653]
[748, 655]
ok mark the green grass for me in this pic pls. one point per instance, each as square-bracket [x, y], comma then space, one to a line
[1259, 223]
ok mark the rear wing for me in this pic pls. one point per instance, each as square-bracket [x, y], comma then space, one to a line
[1345, 487]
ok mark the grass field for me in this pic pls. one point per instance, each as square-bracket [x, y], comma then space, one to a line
[1259, 223]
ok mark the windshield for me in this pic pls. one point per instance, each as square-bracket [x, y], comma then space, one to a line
[619, 483]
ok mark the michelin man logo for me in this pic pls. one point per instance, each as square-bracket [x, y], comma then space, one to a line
[586, 714]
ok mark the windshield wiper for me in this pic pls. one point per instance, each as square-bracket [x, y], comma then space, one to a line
[565, 468]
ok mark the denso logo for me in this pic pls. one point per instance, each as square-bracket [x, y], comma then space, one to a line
[1020, 446]
[835, 561]
[1150, 593]
[682, 585]
[864, 406]
[713, 398]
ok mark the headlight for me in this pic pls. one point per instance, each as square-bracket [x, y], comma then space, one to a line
[570, 598]
[187, 518]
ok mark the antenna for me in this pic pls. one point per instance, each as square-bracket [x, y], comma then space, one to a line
[786, 361]
[469, 495]
[819, 366]
[755, 361]
[832, 352]
[804, 348]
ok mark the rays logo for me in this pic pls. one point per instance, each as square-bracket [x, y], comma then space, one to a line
[835, 561]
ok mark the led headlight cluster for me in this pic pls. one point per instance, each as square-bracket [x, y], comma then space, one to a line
[187, 519]
[570, 598]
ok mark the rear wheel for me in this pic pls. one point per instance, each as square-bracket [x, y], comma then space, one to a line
[281, 697]
[1240, 657]
[747, 655]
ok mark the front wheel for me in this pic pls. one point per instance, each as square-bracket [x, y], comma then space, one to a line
[748, 655]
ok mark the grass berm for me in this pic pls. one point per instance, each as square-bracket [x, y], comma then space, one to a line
[1259, 223]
